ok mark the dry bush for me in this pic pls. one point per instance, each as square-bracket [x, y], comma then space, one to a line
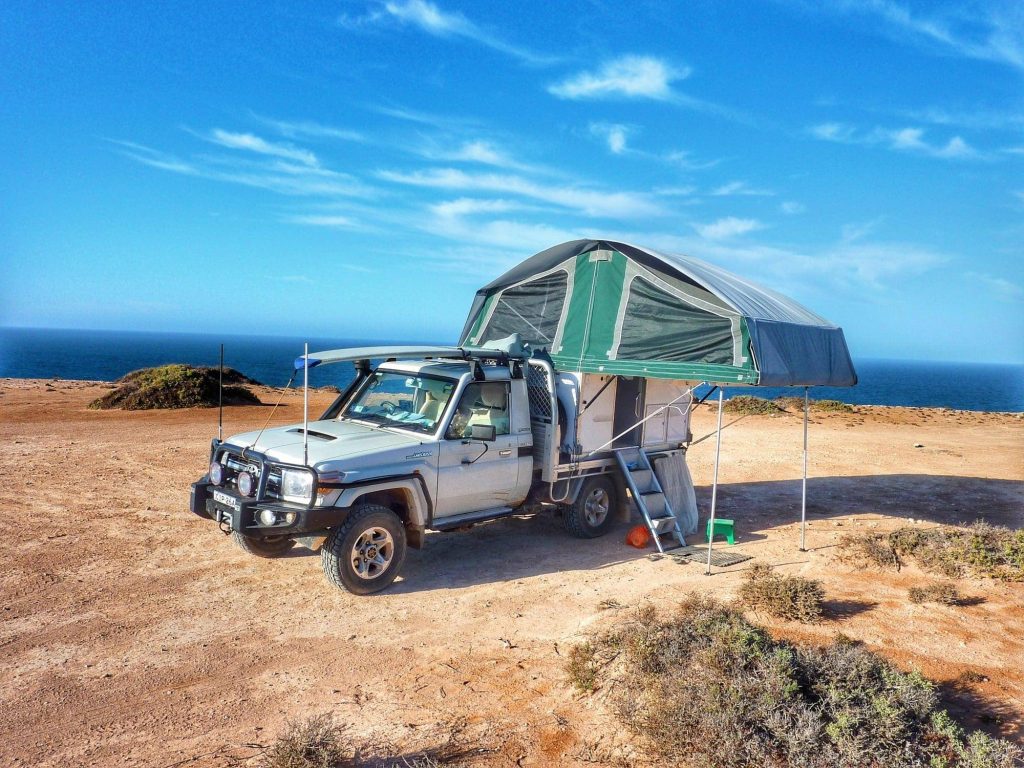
[176, 386]
[944, 592]
[582, 667]
[705, 687]
[868, 550]
[784, 597]
[747, 405]
[317, 742]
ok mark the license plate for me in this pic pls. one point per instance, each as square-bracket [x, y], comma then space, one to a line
[228, 501]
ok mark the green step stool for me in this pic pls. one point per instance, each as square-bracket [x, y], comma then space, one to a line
[722, 528]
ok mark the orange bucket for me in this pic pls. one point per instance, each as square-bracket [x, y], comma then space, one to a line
[638, 536]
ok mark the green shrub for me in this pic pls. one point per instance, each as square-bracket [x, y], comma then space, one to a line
[705, 687]
[980, 549]
[176, 386]
[817, 406]
[747, 405]
[784, 597]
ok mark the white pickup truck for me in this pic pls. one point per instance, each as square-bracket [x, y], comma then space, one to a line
[441, 438]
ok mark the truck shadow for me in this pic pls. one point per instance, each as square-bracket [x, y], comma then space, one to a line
[525, 547]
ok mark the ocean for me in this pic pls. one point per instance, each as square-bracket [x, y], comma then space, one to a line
[31, 353]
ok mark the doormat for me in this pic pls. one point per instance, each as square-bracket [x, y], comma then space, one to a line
[699, 554]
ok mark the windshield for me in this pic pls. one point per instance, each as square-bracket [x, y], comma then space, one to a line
[401, 400]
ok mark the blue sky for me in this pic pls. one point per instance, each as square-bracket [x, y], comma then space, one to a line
[358, 169]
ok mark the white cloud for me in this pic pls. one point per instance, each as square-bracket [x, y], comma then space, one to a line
[740, 188]
[429, 18]
[637, 77]
[792, 208]
[728, 227]
[909, 139]
[591, 202]
[468, 206]
[252, 143]
[155, 158]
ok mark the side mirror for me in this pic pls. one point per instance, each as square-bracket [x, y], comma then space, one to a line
[485, 432]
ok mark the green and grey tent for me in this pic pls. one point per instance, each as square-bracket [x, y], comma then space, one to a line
[602, 306]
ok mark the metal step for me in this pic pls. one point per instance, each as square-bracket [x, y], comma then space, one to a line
[663, 524]
[644, 479]
[655, 503]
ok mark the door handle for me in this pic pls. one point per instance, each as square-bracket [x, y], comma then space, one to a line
[506, 452]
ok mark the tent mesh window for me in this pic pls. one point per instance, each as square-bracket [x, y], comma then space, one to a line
[660, 326]
[532, 309]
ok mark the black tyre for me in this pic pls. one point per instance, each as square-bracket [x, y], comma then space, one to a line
[593, 512]
[272, 546]
[365, 553]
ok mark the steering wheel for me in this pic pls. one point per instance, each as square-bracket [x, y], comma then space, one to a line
[388, 406]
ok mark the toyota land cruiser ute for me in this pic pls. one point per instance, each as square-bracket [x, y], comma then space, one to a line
[439, 439]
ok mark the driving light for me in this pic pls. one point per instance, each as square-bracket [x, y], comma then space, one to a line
[216, 473]
[296, 485]
[268, 517]
[245, 483]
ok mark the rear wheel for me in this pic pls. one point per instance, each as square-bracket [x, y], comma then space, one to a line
[591, 515]
[271, 546]
[365, 553]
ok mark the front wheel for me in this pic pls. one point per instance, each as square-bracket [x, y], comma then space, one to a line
[271, 546]
[365, 553]
[591, 515]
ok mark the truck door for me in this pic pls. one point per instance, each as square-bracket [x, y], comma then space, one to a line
[473, 474]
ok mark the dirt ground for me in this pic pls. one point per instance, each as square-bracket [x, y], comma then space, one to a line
[135, 633]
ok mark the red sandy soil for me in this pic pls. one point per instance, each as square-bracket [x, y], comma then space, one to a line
[135, 633]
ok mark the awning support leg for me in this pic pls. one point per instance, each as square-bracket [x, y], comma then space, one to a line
[803, 500]
[714, 487]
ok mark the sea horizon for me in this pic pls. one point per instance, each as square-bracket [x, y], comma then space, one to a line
[106, 355]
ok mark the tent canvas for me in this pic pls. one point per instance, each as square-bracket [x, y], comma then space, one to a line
[603, 306]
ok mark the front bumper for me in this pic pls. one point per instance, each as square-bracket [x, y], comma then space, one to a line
[242, 516]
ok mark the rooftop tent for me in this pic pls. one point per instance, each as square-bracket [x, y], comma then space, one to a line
[608, 307]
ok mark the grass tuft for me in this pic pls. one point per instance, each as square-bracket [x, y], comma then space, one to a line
[815, 406]
[785, 597]
[176, 386]
[705, 687]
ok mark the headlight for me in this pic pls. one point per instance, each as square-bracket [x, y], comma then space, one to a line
[216, 473]
[296, 485]
[245, 483]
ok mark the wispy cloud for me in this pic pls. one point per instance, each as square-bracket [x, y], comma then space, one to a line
[616, 137]
[632, 77]
[908, 139]
[1002, 288]
[588, 201]
[992, 31]
[322, 220]
[155, 158]
[730, 226]
[252, 143]
[792, 208]
[479, 151]
[429, 18]
[740, 188]
[299, 129]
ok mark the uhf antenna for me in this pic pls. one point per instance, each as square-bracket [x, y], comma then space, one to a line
[220, 397]
[305, 405]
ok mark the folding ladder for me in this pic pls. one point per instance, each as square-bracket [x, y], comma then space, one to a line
[649, 497]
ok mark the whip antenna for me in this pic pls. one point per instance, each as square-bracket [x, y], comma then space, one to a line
[305, 405]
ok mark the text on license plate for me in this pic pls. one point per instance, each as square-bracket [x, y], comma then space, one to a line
[229, 501]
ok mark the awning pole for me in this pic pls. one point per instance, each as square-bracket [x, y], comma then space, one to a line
[803, 500]
[714, 487]
[305, 405]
